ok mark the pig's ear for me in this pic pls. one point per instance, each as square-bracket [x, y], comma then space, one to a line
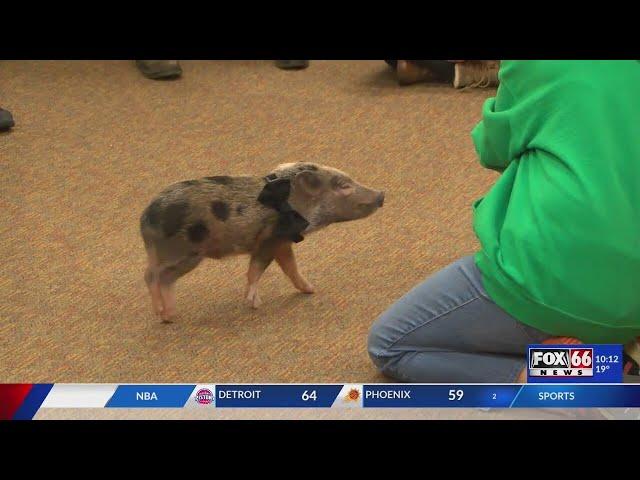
[309, 182]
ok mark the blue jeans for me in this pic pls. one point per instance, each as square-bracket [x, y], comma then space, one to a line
[448, 330]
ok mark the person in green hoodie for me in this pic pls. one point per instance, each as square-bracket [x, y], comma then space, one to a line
[559, 231]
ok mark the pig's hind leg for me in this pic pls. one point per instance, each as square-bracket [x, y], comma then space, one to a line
[260, 260]
[167, 279]
[287, 261]
[257, 266]
[151, 278]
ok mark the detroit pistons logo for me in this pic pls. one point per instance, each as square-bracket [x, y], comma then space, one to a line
[204, 396]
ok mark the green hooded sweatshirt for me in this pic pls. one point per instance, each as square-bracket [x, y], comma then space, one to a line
[560, 229]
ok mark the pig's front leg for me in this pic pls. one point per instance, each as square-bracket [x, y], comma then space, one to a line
[259, 262]
[287, 261]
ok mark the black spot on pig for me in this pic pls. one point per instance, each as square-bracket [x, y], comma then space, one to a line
[173, 218]
[151, 215]
[188, 183]
[220, 179]
[240, 209]
[220, 210]
[197, 232]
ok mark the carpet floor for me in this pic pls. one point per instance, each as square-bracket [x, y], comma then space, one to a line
[95, 141]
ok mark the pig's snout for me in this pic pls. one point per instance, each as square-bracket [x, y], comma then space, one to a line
[380, 199]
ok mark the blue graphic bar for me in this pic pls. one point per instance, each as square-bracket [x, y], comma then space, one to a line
[150, 396]
[309, 396]
[470, 396]
[33, 401]
[570, 395]
[501, 396]
[578, 396]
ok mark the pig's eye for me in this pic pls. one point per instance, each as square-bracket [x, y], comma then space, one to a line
[345, 189]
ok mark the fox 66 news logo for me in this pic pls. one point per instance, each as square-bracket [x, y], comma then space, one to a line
[560, 362]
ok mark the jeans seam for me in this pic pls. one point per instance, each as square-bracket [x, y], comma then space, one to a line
[471, 280]
[481, 290]
[486, 296]
[430, 320]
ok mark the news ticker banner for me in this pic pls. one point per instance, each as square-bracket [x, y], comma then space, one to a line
[564, 376]
[21, 402]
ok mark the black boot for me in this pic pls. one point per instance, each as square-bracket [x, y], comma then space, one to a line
[6, 120]
[159, 69]
[292, 64]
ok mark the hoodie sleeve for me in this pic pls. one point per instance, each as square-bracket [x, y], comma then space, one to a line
[509, 118]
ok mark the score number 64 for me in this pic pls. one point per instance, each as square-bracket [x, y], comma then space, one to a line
[306, 396]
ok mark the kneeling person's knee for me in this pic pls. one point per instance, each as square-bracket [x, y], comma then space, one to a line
[378, 343]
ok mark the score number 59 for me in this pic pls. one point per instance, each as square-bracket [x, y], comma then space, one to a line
[456, 395]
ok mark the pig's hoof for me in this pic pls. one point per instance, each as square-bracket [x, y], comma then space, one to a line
[254, 299]
[167, 316]
[307, 288]
[256, 302]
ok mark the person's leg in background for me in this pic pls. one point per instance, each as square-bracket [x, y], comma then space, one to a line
[475, 73]
[448, 330]
[460, 73]
[6, 120]
[409, 72]
[159, 69]
[292, 64]
[414, 71]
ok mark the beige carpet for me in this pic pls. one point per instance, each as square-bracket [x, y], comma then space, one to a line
[94, 141]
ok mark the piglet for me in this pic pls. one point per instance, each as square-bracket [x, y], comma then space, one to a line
[219, 216]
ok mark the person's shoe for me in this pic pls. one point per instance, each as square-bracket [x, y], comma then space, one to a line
[159, 69]
[6, 120]
[292, 64]
[632, 358]
[476, 74]
[631, 354]
[409, 72]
